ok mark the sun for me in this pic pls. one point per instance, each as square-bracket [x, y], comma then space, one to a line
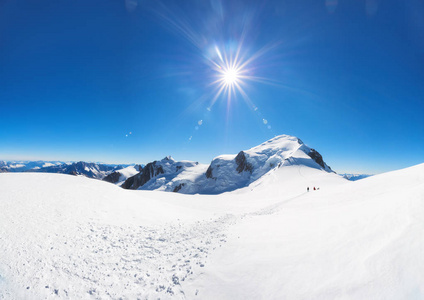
[232, 69]
[230, 76]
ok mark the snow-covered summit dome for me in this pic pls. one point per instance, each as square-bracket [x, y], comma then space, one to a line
[226, 172]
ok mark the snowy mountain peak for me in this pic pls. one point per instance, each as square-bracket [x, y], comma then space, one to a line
[235, 171]
[226, 172]
[280, 141]
[168, 158]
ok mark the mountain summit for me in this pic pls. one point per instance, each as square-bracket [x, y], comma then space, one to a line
[226, 172]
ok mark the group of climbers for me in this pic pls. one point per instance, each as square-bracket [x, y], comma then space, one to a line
[307, 189]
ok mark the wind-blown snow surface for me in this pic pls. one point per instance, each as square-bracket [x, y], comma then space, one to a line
[72, 237]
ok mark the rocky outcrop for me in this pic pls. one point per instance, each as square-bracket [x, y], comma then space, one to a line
[121, 174]
[178, 187]
[113, 177]
[317, 158]
[242, 164]
[148, 172]
[209, 172]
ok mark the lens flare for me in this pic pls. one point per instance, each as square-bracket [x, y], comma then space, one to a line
[231, 72]
[230, 76]
[231, 63]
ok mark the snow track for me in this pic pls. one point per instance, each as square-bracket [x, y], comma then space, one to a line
[54, 248]
[149, 262]
[271, 209]
[114, 262]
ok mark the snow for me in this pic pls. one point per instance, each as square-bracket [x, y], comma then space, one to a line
[48, 164]
[359, 240]
[125, 173]
[184, 172]
[71, 237]
[22, 166]
[16, 166]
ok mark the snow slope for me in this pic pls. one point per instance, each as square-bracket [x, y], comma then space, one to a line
[360, 240]
[66, 237]
[127, 172]
[120, 175]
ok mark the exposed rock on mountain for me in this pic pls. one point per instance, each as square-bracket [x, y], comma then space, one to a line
[113, 177]
[119, 176]
[318, 158]
[178, 187]
[242, 164]
[165, 169]
[209, 172]
[148, 172]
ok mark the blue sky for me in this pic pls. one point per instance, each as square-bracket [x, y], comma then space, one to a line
[131, 81]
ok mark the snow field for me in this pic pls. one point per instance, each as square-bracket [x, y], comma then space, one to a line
[361, 240]
[65, 237]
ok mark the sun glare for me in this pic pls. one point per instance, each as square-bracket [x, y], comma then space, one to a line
[231, 73]
[230, 76]
[233, 70]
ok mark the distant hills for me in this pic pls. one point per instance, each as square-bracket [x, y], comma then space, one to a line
[22, 166]
[354, 177]
[87, 169]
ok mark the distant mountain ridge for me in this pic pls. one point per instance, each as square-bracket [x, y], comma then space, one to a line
[88, 169]
[91, 170]
[355, 177]
[22, 165]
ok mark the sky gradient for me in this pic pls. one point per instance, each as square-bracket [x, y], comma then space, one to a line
[131, 81]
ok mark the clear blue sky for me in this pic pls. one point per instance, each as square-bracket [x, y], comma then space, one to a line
[346, 77]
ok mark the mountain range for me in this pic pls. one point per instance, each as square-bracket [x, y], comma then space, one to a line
[354, 177]
[224, 173]
[87, 169]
